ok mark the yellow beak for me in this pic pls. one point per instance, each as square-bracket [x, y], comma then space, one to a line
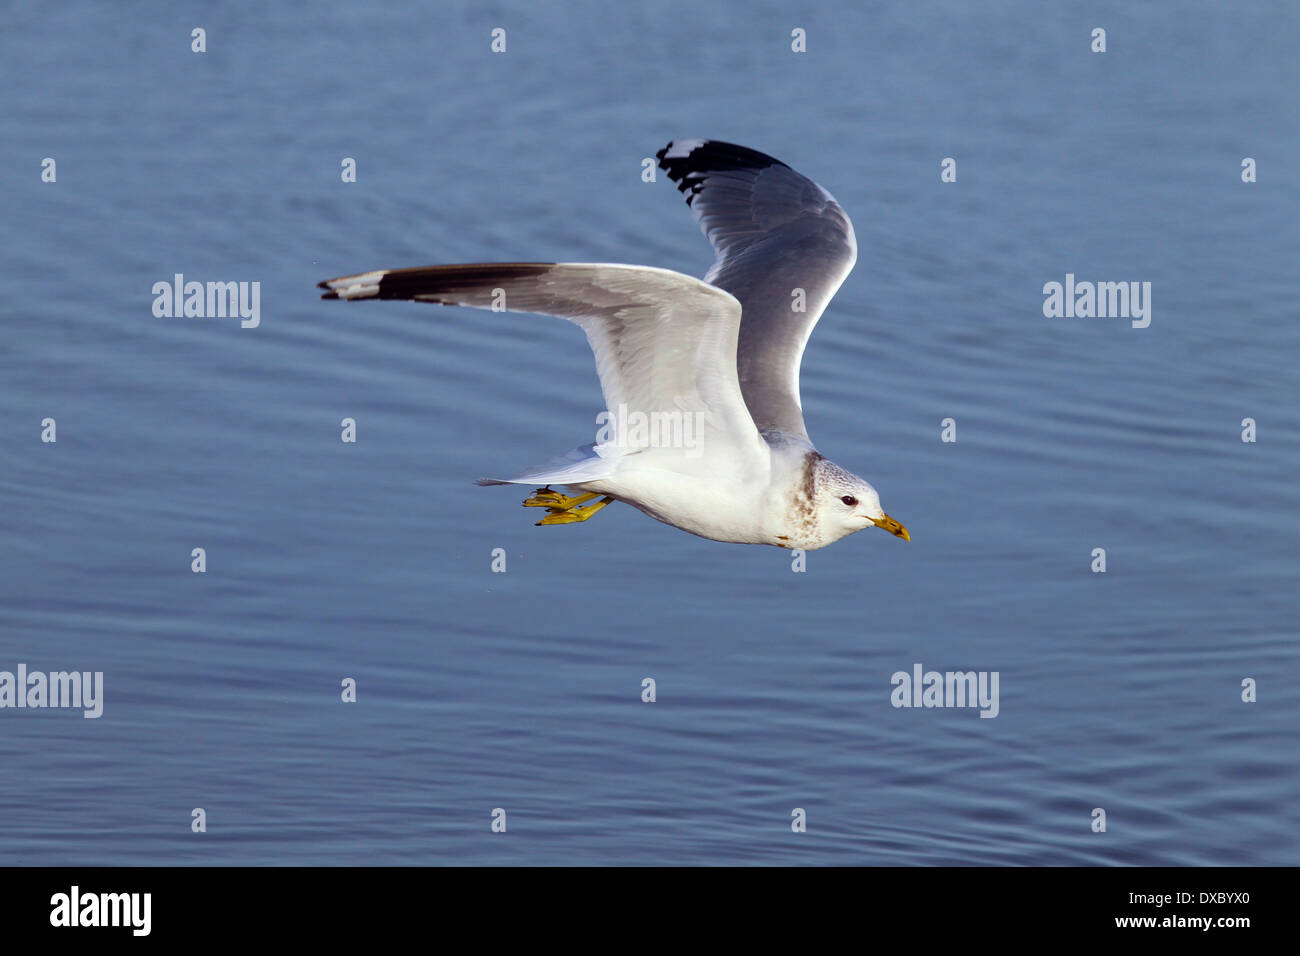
[892, 526]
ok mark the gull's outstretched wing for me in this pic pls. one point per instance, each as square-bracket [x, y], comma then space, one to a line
[774, 231]
[664, 342]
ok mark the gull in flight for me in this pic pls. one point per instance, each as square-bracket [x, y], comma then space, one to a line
[705, 430]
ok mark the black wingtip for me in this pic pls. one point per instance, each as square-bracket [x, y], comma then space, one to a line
[330, 295]
[691, 168]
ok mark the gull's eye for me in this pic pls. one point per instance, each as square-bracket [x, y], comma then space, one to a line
[849, 500]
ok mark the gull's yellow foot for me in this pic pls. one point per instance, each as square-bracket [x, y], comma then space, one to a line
[553, 500]
[571, 514]
[544, 498]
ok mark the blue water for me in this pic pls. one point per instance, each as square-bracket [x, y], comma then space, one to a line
[521, 690]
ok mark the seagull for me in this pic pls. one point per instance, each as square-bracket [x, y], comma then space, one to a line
[704, 429]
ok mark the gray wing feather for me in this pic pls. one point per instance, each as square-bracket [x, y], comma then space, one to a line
[663, 341]
[773, 231]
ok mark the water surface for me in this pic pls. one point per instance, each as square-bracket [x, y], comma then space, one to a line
[522, 690]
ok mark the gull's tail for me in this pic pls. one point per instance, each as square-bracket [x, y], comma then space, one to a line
[582, 464]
